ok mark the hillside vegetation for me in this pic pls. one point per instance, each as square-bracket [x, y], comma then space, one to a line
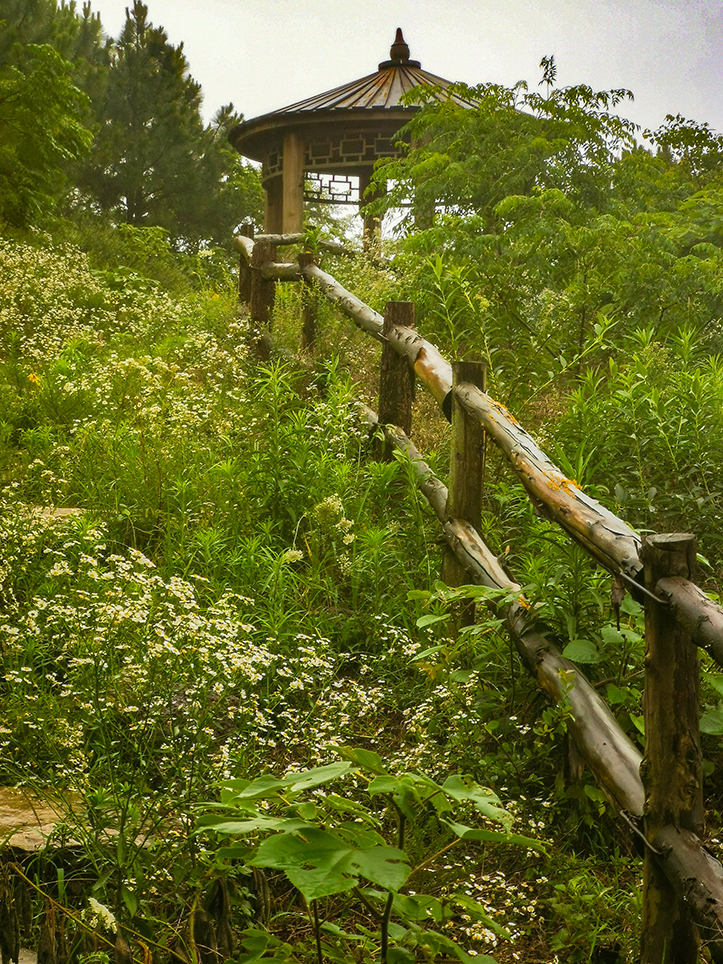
[221, 617]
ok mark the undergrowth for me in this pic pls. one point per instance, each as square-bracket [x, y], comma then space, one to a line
[241, 589]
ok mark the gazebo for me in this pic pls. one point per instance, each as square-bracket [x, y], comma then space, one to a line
[316, 148]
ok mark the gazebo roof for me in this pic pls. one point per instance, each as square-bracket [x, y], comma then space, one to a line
[374, 99]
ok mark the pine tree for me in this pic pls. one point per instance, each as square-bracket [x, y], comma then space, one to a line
[153, 162]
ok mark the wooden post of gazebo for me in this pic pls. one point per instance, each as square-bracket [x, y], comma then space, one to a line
[293, 184]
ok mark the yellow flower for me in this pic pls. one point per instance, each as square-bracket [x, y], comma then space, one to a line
[32, 377]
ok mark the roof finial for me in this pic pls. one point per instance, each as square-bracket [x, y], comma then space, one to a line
[399, 49]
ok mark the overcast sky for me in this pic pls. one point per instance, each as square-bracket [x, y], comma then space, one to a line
[265, 54]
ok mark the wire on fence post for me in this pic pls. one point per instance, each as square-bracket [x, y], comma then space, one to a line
[244, 273]
[308, 318]
[466, 474]
[396, 378]
[671, 767]
[263, 292]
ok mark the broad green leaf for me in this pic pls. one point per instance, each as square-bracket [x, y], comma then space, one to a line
[328, 927]
[485, 800]
[255, 790]
[360, 836]
[715, 681]
[320, 864]
[429, 651]
[308, 779]
[479, 912]
[367, 759]
[630, 607]
[400, 955]
[256, 943]
[240, 828]
[408, 798]
[430, 619]
[638, 722]
[343, 805]
[237, 852]
[418, 907]
[384, 784]
[419, 594]
[495, 836]
[712, 721]
[582, 651]
[615, 695]
[130, 900]
[612, 636]
[440, 942]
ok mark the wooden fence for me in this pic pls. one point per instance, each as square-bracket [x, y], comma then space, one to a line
[659, 795]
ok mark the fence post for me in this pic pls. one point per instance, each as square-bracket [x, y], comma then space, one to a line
[263, 291]
[244, 273]
[671, 767]
[396, 378]
[466, 475]
[308, 315]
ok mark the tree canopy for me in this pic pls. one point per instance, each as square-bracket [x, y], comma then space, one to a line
[113, 128]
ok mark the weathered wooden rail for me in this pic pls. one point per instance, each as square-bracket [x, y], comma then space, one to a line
[683, 883]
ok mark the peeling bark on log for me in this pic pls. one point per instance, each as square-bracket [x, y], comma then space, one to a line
[702, 618]
[434, 370]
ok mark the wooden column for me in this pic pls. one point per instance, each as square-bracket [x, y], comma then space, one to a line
[308, 315]
[396, 378]
[293, 185]
[244, 272]
[466, 474]
[671, 767]
[263, 291]
[273, 210]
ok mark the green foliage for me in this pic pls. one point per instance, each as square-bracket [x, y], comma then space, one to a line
[41, 129]
[327, 844]
[494, 142]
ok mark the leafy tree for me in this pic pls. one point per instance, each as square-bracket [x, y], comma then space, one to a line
[153, 162]
[510, 141]
[41, 129]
